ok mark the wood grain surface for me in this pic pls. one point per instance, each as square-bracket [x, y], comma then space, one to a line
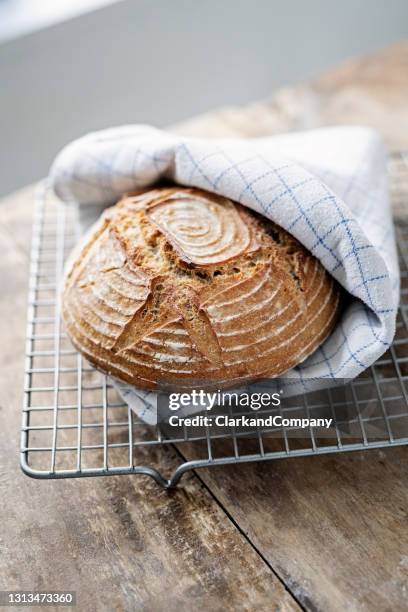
[319, 533]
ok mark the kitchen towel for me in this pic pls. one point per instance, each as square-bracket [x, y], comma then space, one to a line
[327, 187]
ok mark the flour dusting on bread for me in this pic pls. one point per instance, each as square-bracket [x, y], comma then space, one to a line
[178, 285]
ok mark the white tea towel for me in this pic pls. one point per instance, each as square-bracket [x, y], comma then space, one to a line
[327, 187]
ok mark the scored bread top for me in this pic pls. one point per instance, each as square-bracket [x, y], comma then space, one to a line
[180, 286]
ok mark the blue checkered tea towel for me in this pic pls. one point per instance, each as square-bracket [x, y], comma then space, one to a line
[327, 187]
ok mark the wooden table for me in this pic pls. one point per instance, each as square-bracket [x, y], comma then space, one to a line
[319, 533]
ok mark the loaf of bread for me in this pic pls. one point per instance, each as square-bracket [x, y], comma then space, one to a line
[180, 286]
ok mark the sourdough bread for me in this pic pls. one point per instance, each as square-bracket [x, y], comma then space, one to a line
[180, 286]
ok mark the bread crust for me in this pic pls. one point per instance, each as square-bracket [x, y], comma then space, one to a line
[177, 286]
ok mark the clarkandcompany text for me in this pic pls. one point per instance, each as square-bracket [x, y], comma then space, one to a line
[247, 421]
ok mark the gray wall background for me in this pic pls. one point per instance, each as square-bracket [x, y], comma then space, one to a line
[160, 61]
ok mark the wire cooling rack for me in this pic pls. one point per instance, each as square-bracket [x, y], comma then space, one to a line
[75, 424]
